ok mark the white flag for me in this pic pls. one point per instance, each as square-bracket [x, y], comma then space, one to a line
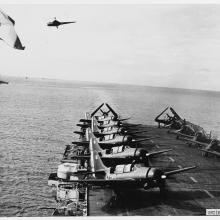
[7, 32]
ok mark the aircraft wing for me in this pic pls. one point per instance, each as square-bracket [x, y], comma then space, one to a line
[175, 114]
[7, 32]
[157, 118]
[180, 134]
[195, 142]
[86, 144]
[104, 182]
[107, 125]
[85, 120]
[67, 22]
[183, 135]
[81, 143]
[112, 111]
[75, 157]
[93, 113]
[211, 152]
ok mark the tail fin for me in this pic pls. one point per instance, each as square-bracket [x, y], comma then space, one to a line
[87, 115]
[95, 125]
[94, 146]
[96, 163]
[89, 134]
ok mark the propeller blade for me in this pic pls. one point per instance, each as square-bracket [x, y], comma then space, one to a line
[157, 152]
[170, 173]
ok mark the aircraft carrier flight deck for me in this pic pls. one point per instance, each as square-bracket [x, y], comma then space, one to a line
[190, 193]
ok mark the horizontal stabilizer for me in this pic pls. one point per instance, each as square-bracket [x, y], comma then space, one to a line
[79, 132]
[83, 125]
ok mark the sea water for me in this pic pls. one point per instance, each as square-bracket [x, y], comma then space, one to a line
[38, 117]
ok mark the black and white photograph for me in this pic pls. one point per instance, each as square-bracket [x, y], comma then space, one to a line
[109, 109]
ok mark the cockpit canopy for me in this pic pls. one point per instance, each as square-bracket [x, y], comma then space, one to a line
[127, 168]
[116, 150]
[108, 137]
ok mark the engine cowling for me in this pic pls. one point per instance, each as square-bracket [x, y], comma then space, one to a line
[154, 178]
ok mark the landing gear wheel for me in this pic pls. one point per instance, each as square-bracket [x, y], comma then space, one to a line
[162, 190]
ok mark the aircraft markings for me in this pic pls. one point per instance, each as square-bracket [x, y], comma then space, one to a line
[208, 193]
[193, 179]
[171, 159]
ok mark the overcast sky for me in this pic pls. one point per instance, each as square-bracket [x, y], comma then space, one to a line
[157, 45]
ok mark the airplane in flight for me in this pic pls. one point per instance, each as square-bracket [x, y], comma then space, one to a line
[108, 141]
[118, 154]
[125, 176]
[56, 23]
[7, 32]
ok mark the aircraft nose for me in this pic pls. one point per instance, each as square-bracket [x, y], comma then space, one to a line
[155, 174]
[154, 178]
[128, 138]
[141, 153]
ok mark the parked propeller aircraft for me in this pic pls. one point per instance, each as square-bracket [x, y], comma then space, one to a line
[211, 146]
[56, 23]
[119, 154]
[108, 130]
[104, 117]
[126, 176]
[180, 125]
[110, 140]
